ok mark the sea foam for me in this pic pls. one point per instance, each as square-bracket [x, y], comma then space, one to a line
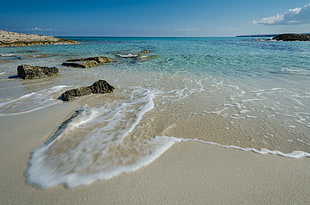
[31, 102]
[294, 154]
[95, 144]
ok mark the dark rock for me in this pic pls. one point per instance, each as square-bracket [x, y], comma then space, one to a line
[100, 86]
[292, 37]
[87, 62]
[97, 59]
[34, 72]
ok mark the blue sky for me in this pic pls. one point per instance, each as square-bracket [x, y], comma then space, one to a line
[155, 17]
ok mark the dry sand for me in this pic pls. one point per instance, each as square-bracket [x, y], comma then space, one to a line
[188, 173]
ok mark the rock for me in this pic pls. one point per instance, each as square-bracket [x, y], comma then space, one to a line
[87, 62]
[70, 94]
[292, 37]
[145, 58]
[132, 55]
[34, 72]
[21, 39]
[37, 55]
[100, 86]
[137, 57]
[98, 59]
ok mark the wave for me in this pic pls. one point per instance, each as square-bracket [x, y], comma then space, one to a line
[95, 144]
[98, 143]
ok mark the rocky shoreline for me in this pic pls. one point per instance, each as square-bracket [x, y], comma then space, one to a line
[292, 37]
[20, 39]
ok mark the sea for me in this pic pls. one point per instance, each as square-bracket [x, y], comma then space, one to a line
[239, 93]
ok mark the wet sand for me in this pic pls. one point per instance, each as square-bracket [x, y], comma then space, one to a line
[188, 173]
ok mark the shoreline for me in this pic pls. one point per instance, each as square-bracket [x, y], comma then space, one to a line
[195, 170]
[187, 173]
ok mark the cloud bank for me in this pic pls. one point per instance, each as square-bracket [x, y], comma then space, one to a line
[291, 17]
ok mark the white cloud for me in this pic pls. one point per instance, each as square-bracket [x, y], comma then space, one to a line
[40, 29]
[185, 30]
[291, 17]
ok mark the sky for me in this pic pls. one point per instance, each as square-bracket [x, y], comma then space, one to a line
[158, 18]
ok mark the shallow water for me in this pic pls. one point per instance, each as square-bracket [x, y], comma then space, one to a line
[235, 92]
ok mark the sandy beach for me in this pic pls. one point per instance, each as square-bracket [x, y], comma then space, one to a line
[188, 173]
[155, 103]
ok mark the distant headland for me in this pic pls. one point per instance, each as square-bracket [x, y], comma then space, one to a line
[21, 39]
[258, 35]
[283, 37]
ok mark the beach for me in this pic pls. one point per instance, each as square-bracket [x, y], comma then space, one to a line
[188, 173]
[189, 121]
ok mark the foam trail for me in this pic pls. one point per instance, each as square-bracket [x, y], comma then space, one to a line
[295, 154]
[31, 102]
[95, 144]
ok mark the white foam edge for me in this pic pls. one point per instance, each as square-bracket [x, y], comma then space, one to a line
[28, 111]
[69, 124]
[49, 90]
[37, 175]
[295, 154]
[7, 54]
[149, 106]
[129, 55]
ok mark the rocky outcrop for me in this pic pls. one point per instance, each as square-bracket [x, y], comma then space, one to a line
[87, 62]
[292, 37]
[100, 86]
[34, 72]
[21, 39]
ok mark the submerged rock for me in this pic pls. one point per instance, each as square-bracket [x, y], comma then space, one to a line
[137, 57]
[145, 58]
[97, 59]
[34, 72]
[100, 86]
[292, 37]
[87, 62]
[132, 55]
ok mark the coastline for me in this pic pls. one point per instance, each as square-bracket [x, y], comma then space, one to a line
[21, 39]
[188, 173]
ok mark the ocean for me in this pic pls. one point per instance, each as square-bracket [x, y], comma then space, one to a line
[241, 93]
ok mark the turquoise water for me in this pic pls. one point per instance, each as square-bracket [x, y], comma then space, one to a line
[239, 93]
